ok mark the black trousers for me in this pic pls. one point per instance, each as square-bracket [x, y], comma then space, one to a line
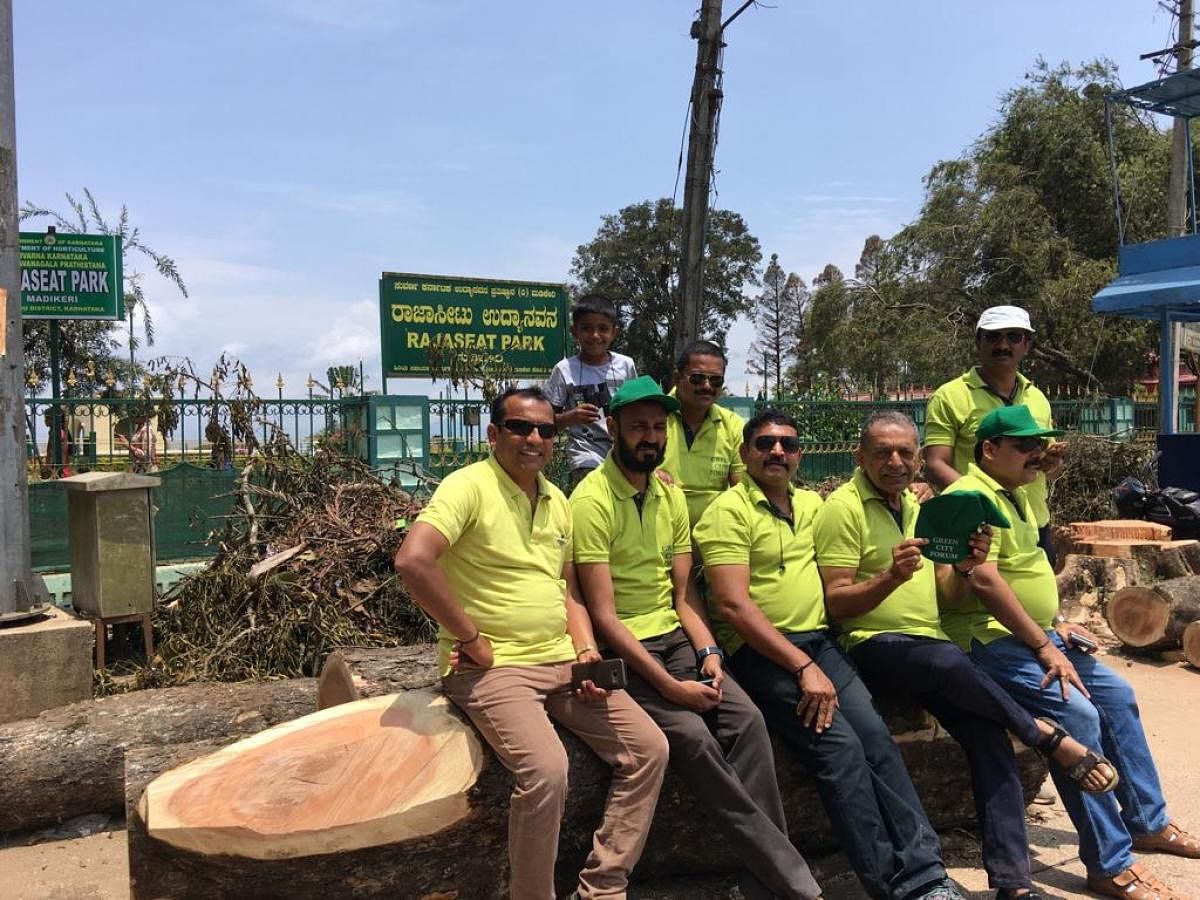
[725, 757]
[978, 713]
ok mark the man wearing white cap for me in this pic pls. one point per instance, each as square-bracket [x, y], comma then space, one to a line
[1003, 337]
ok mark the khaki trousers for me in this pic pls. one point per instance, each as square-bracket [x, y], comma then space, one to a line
[512, 707]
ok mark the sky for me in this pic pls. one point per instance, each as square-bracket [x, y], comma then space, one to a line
[286, 152]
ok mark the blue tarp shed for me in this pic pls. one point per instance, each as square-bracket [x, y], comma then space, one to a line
[1158, 280]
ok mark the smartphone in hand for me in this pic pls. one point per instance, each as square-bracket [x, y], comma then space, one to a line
[1086, 644]
[607, 674]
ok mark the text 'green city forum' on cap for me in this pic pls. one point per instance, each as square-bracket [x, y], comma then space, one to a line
[638, 389]
[948, 521]
[1012, 421]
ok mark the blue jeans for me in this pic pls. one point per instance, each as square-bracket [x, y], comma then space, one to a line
[1109, 721]
[979, 714]
[860, 774]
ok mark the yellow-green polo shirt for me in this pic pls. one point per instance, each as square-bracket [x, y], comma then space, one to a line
[702, 470]
[955, 411]
[740, 529]
[638, 547]
[505, 562]
[855, 530]
[1021, 562]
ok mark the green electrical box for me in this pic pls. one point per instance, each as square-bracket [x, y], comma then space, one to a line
[110, 519]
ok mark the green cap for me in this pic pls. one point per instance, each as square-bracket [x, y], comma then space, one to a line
[949, 520]
[638, 389]
[1012, 421]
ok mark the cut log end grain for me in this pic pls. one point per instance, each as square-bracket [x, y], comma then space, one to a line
[1191, 644]
[362, 774]
[1154, 616]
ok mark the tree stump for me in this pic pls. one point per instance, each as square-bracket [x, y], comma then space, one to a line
[1153, 616]
[1191, 644]
[1083, 580]
[68, 761]
[467, 858]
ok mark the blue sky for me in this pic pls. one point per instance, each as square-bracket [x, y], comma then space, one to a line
[286, 152]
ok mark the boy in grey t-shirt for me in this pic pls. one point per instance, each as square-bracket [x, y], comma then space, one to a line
[580, 386]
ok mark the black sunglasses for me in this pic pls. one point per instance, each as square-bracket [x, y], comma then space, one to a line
[1028, 444]
[698, 378]
[766, 442]
[1013, 337]
[524, 428]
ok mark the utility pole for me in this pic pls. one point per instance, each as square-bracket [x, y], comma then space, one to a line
[19, 599]
[706, 106]
[1177, 213]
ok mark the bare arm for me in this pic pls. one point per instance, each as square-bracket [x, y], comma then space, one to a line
[939, 467]
[417, 565]
[579, 623]
[995, 594]
[693, 617]
[846, 598]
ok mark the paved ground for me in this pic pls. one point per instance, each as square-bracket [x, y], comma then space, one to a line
[93, 867]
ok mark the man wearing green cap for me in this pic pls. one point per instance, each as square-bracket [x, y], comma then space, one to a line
[1003, 337]
[632, 551]
[885, 597]
[1009, 616]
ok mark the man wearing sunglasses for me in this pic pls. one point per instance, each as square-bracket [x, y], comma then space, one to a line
[490, 559]
[1010, 618]
[1003, 338]
[765, 594]
[702, 438]
[633, 556]
[884, 596]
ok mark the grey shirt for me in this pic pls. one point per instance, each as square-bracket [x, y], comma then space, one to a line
[573, 382]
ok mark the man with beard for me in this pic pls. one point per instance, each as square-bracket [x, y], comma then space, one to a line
[633, 557]
[1009, 619]
[1003, 337]
[769, 609]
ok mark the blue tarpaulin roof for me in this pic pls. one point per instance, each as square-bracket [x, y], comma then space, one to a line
[1156, 277]
[1174, 95]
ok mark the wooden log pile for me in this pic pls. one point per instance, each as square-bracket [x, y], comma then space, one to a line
[1155, 616]
[288, 826]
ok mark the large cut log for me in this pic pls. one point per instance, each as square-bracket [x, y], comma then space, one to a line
[1191, 644]
[467, 857]
[69, 761]
[1153, 616]
[353, 672]
[1120, 529]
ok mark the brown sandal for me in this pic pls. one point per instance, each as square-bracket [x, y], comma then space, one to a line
[1172, 839]
[1135, 883]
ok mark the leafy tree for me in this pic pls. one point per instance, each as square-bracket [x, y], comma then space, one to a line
[1024, 217]
[95, 341]
[633, 259]
[779, 324]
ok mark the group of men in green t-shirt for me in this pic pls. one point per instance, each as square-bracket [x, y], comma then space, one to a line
[804, 609]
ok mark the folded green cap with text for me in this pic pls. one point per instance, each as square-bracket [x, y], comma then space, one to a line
[949, 520]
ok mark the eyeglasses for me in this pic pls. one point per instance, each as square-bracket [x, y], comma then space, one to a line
[1013, 337]
[764, 443]
[524, 428]
[1028, 444]
[698, 378]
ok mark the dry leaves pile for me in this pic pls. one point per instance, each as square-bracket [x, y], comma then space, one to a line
[305, 564]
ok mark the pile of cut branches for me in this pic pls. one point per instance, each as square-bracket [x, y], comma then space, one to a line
[1094, 465]
[304, 565]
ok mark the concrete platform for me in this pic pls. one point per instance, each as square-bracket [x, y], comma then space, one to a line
[44, 665]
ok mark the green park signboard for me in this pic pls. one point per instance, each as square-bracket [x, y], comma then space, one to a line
[71, 276]
[512, 327]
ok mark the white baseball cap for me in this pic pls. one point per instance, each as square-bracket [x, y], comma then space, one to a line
[995, 318]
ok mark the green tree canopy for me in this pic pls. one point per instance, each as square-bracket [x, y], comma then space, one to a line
[634, 260]
[1025, 217]
[779, 312]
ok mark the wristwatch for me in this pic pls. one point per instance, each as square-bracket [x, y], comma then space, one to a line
[704, 652]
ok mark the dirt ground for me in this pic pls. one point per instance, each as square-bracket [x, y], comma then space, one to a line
[93, 867]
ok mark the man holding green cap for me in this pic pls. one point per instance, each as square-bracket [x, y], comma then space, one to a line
[1003, 338]
[885, 597]
[632, 553]
[1009, 617]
